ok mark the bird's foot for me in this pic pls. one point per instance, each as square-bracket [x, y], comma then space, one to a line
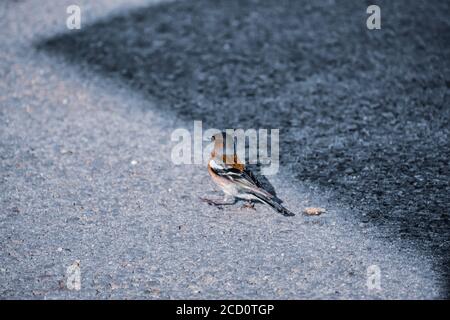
[248, 205]
[212, 202]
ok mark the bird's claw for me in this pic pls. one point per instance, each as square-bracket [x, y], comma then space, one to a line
[248, 205]
[212, 202]
[208, 201]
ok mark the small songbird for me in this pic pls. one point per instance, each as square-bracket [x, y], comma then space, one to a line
[236, 181]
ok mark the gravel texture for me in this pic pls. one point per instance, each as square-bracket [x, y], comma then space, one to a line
[85, 124]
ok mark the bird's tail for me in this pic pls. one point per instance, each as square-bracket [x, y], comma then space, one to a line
[275, 205]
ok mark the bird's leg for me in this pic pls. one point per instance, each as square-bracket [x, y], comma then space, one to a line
[248, 205]
[228, 200]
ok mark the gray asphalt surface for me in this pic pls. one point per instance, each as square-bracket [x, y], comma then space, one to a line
[85, 124]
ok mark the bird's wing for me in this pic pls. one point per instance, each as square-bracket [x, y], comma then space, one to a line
[233, 162]
[253, 178]
[243, 178]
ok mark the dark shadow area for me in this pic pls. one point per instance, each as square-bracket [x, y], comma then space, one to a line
[362, 112]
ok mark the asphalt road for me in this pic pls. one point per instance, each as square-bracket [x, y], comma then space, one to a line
[86, 173]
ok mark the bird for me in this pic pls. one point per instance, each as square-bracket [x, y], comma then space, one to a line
[235, 180]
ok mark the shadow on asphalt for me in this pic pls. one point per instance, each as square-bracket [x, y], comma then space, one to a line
[363, 113]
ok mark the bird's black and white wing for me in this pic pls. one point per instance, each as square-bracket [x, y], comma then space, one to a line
[244, 179]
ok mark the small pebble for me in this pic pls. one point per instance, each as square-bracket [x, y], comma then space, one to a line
[313, 211]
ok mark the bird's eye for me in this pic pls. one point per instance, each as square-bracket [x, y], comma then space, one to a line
[212, 138]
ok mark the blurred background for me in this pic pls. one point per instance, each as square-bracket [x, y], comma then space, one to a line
[86, 117]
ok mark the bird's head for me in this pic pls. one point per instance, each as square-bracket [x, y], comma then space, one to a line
[223, 143]
[222, 137]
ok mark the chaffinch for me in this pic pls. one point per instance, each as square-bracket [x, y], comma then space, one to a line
[236, 181]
